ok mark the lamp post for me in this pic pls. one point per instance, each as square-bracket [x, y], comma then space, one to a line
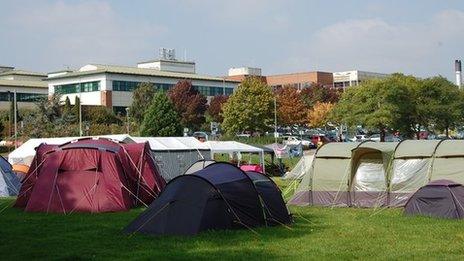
[15, 120]
[275, 120]
[128, 122]
[80, 107]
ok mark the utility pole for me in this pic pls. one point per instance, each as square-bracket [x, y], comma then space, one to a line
[80, 107]
[275, 119]
[128, 122]
[15, 119]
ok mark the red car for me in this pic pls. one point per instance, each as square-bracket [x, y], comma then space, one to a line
[319, 140]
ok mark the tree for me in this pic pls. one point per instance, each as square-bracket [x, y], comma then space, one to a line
[76, 110]
[318, 93]
[319, 114]
[379, 104]
[142, 97]
[100, 115]
[291, 108]
[161, 118]
[250, 108]
[440, 104]
[189, 103]
[215, 108]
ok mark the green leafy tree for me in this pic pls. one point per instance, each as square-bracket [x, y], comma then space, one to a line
[75, 109]
[100, 115]
[250, 108]
[378, 105]
[440, 103]
[161, 118]
[142, 97]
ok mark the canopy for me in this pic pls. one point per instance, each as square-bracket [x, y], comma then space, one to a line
[174, 155]
[232, 147]
[173, 143]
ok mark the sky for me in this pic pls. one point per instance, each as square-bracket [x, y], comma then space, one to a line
[418, 37]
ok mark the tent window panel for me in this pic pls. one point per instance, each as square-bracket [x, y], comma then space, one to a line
[409, 174]
[331, 174]
[448, 168]
[370, 176]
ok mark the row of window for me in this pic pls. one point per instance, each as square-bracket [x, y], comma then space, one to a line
[78, 87]
[21, 97]
[127, 86]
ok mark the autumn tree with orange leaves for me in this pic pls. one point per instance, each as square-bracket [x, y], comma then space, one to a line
[318, 116]
[291, 108]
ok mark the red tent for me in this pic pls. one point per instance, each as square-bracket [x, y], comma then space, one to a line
[90, 175]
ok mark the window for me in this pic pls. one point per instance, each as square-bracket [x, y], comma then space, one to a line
[119, 110]
[78, 87]
[21, 97]
[127, 86]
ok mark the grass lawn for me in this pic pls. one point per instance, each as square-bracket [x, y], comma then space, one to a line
[318, 233]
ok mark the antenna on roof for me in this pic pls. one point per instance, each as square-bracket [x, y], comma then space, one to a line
[167, 54]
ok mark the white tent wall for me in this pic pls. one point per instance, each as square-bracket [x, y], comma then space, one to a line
[326, 183]
[411, 169]
[369, 184]
[302, 167]
[370, 162]
[449, 161]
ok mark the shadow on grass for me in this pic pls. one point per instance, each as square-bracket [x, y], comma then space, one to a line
[89, 236]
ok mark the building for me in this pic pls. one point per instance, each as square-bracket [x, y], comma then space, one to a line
[111, 86]
[354, 78]
[300, 80]
[297, 80]
[29, 87]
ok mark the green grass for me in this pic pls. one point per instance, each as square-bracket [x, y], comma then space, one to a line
[318, 233]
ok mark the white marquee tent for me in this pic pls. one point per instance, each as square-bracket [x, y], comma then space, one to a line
[174, 155]
[237, 148]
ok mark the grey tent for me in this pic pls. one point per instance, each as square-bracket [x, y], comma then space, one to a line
[9, 182]
[220, 196]
[439, 198]
[174, 155]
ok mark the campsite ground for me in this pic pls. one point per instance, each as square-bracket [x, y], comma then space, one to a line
[318, 233]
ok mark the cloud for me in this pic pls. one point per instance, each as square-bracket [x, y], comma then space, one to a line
[50, 35]
[374, 44]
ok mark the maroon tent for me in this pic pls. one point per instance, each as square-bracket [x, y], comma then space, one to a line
[439, 198]
[90, 175]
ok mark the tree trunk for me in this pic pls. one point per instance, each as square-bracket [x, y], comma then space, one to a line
[447, 132]
[382, 135]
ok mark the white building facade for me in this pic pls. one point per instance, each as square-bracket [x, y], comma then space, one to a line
[354, 78]
[112, 86]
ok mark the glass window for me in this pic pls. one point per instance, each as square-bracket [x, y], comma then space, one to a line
[78, 87]
[21, 97]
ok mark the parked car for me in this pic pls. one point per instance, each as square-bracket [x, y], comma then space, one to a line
[295, 141]
[243, 135]
[200, 135]
[375, 137]
[318, 140]
[359, 137]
